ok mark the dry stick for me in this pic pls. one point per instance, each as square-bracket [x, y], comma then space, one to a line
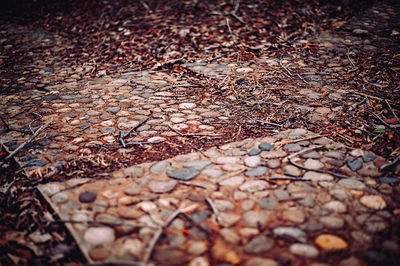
[291, 74]
[291, 178]
[390, 107]
[366, 95]
[158, 233]
[233, 13]
[194, 134]
[309, 169]
[122, 137]
[230, 31]
[386, 124]
[212, 205]
[37, 132]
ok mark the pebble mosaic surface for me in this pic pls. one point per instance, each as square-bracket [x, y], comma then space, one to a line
[293, 198]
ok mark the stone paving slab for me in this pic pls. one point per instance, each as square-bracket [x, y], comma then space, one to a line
[92, 113]
[295, 198]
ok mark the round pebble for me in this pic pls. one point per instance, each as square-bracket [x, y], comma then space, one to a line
[267, 203]
[184, 174]
[256, 172]
[99, 253]
[252, 161]
[99, 235]
[304, 250]
[255, 218]
[259, 244]
[87, 197]
[163, 186]
[258, 261]
[254, 152]
[373, 202]
[266, 146]
[330, 242]
[293, 232]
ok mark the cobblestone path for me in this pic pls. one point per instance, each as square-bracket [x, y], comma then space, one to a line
[291, 197]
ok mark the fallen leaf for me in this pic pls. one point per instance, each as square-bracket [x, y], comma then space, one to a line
[315, 105]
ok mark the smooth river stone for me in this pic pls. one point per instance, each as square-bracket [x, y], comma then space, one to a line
[99, 235]
[252, 161]
[304, 250]
[330, 242]
[184, 174]
[259, 244]
[313, 164]
[163, 186]
[87, 197]
[254, 185]
[373, 202]
[256, 172]
[293, 232]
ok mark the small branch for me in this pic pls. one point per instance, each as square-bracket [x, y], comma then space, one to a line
[143, 142]
[48, 122]
[194, 134]
[290, 178]
[212, 205]
[386, 124]
[233, 13]
[122, 137]
[158, 233]
[230, 31]
[390, 107]
[291, 74]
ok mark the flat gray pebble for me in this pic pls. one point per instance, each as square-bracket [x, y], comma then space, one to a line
[184, 174]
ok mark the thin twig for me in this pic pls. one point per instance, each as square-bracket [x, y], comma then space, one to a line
[290, 159]
[233, 13]
[291, 178]
[37, 132]
[291, 74]
[123, 136]
[230, 31]
[390, 107]
[386, 124]
[158, 233]
[212, 205]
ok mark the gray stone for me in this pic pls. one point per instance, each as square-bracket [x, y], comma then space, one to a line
[229, 236]
[281, 194]
[212, 173]
[313, 164]
[332, 222]
[70, 97]
[200, 216]
[351, 183]
[369, 157]
[255, 218]
[335, 155]
[87, 197]
[254, 152]
[60, 197]
[113, 110]
[227, 219]
[256, 172]
[335, 206]
[133, 189]
[274, 163]
[266, 146]
[163, 186]
[234, 181]
[304, 250]
[259, 244]
[292, 170]
[108, 130]
[293, 232]
[313, 226]
[292, 147]
[133, 171]
[354, 164]
[258, 261]
[254, 185]
[159, 167]
[318, 177]
[184, 174]
[252, 161]
[224, 205]
[198, 165]
[197, 248]
[267, 203]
